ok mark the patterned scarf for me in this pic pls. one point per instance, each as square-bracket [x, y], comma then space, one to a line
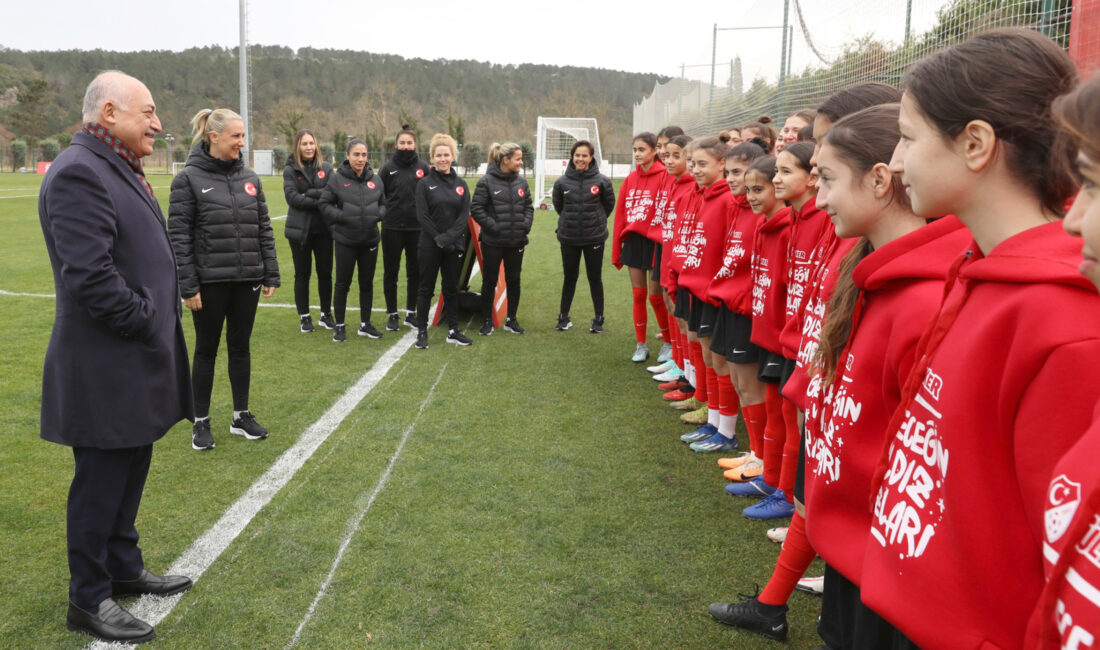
[104, 135]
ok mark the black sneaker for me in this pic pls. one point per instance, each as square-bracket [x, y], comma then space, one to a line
[306, 324]
[341, 334]
[326, 321]
[512, 325]
[486, 327]
[422, 339]
[458, 338]
[201, 438]
[750, 614]
[368, 330]
[564, 322]
[597, 325]
[393, 322]
[410, 319]
[247, 426]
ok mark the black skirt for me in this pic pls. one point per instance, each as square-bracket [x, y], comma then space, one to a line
[637, 252]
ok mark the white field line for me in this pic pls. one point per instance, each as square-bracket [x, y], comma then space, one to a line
[207, 548]
[35, 195]
[279, 217]
[357, 521]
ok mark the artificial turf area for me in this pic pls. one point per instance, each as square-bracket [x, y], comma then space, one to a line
[528, 491]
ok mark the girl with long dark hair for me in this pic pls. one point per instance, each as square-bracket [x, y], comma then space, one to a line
[400, 228]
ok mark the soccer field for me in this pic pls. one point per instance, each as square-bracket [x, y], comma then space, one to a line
[528, 491]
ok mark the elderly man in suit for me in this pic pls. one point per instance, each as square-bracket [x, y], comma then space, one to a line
[116, 374]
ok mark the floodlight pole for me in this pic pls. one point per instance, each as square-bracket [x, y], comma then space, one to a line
[243, 56]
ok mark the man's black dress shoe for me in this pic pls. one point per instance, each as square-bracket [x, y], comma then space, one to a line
[150, 583]
[110, 623]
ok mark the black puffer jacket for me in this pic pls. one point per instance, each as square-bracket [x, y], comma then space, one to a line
[583, 201]
[443, 210]
[302, 188]
[218, 224]
[352, 205]
[401, 174]
[503, 208]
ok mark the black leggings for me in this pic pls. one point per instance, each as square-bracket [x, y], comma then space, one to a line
[492, 256]
[395, 242]
[434, 261]
[234, 304]
[593, 266]
[316, 248]
[366, 256]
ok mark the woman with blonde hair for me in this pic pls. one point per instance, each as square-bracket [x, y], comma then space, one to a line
[225, 258]
[503, 208]
[304, 178]
[442, 208]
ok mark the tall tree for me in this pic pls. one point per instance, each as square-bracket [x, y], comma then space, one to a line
[29, 117]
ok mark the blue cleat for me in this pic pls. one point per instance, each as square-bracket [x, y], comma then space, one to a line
[773, 506]
[754, 488]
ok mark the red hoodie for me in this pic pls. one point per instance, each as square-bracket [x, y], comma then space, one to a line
[811, 232]
[732, 284]
[687, 209]
[682, 203]
[831, 253]
[1068, 615]
[1005, 380]
[704, 251]
[900, 289]
[636, 208]
[769, 280]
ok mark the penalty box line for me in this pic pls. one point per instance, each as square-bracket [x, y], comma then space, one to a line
[356, 522]
[209, 547]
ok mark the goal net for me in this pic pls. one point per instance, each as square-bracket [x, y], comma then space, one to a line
[556, 136]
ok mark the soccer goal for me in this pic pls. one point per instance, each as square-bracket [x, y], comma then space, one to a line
[555, 138]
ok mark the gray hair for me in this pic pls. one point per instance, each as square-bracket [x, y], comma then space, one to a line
[108, 85]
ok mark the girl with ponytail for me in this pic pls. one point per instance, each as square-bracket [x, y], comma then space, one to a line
[1008, 372]
[225, 257]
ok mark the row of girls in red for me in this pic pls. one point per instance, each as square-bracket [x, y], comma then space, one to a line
[950, 484]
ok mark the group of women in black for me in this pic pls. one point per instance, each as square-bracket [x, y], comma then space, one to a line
[403, 208]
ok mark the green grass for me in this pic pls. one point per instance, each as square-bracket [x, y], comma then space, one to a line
[542, 499]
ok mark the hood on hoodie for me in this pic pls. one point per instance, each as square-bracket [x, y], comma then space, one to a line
[1041, 254]
[346, 171]
[573, 172]
[200, 157]
[925, 253]
[405, 157]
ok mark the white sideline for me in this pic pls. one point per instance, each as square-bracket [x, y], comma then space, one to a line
[356, 522]
[207, 548]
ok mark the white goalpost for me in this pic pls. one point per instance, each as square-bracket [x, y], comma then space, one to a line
[554, 139]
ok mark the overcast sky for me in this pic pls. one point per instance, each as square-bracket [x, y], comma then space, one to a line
[637, 36]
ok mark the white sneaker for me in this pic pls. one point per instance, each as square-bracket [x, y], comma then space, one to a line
[666, 352]
[778, 535]
[641, 353]
[669, 376]
[815, 586]
[664, 366]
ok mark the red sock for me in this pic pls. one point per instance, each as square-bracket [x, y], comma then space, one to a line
[794, 559]
[685, 347]
[775, 434]
[790, 449]
[713, 390]
[728, 402]
[660, 312]
[639, 314]
[701, 392]
[755, 417]
[677, 351]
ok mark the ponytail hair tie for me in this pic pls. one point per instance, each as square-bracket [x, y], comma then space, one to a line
[211, 112]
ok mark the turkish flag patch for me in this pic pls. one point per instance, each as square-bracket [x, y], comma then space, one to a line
[521, 194]
[320, 173]
[370, 184]
[420, 173]
[595, 189]
[250, 188]
[460, 190]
